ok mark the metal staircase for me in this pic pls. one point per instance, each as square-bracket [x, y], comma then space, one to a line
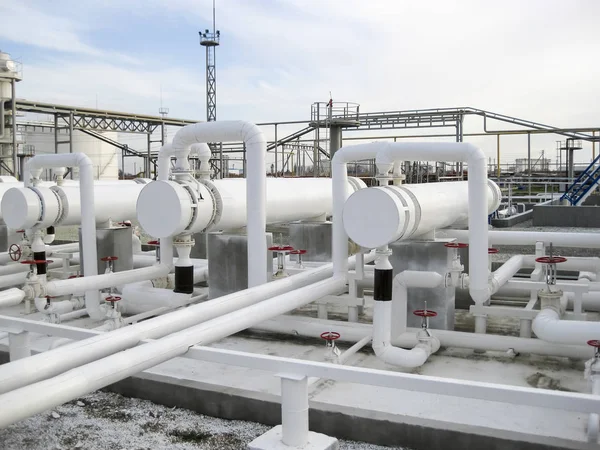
[584, 185]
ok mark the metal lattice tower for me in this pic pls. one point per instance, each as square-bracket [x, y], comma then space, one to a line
[211, 41]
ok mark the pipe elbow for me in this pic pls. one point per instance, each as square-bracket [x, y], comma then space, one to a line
[474, 153]
[396, 356]
[252, 134]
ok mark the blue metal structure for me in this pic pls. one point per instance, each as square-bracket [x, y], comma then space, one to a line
[584, 185]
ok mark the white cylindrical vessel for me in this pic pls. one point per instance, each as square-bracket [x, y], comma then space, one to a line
[377, 216]
[169, 208]
[60, 205]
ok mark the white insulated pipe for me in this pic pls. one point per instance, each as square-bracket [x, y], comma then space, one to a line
[34, 167]
[166, 208]
[382, 321]
[579, 240]
[549, 327]
[11, 297]
[40, 207]
[505, 272]
[409, 210]
[29, 400]
[256, 149]
[354, 331]
[386, 153]
[84, 284]
[137, 299]
[44, 365]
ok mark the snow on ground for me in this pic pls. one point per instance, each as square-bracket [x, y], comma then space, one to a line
[106, 421]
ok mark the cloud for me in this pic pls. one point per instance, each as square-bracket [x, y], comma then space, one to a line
[31, 26]
[531, 59]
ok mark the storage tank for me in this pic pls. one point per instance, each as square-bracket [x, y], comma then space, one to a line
[104, 156]
[9, 74]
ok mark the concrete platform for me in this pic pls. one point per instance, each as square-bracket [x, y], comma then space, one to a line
[271, 440]
[372, 414]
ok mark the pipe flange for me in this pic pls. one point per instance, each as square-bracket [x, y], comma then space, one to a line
[217, 201]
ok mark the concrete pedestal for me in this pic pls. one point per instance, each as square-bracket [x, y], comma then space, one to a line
[228, 262]
[200, 248]
[314, 237]
[429, 256]
[112, 242]
[271, 440]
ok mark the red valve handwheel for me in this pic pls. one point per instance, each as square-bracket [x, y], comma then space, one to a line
[281, 248]
[34, 261]
[20, 231]
[330, 335]
[75, 276]
[492, 251]
[109, 258]
[15, 252]
[551, 259]
[153, 242]
[112, 298]
[298, 252]
[594, 343]
[424, 313]
[456, 245]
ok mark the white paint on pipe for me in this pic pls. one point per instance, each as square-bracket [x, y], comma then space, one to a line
[558, 239]
[386, 153]
[29, 400]
[256, 149]
[11, 297]
[382, 321]
[353, 332]
[138, 299]
[88, 223]
[50, 363]
[549, 327]
[505, 272]
[407, 211]
[87, 283]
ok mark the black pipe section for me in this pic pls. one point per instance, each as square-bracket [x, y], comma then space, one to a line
[382, 291]
[50, 230]
[184, 279]
[41, 267]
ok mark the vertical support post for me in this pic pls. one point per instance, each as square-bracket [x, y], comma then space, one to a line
[122, 164]
[18, 345]
[149, 151]
[529, 161]
[593, 145]
[221, 161]
[13, 87]
[56, 133]
[71, 140]
[498, 156]
[276, 145]
[294, 410]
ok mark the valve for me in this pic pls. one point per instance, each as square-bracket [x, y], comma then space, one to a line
[33, 263]
[425, 314]
[332, 352]
[15, 252]
[156, 244]
[455, 267]
[596, 344]
[113, 300]
[299, 264]
[550, 270]
[109, 260]
[282, 251]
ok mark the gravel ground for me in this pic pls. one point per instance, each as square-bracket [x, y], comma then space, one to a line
[106, 421]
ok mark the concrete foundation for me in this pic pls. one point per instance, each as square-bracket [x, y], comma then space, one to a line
[431, 256]
[112, 242]
[314, 237]
[200, 248]
[228, 262]
[566, 216]
[7, 237]
[271, 440]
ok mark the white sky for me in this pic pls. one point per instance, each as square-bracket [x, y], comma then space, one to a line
[534, 59]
